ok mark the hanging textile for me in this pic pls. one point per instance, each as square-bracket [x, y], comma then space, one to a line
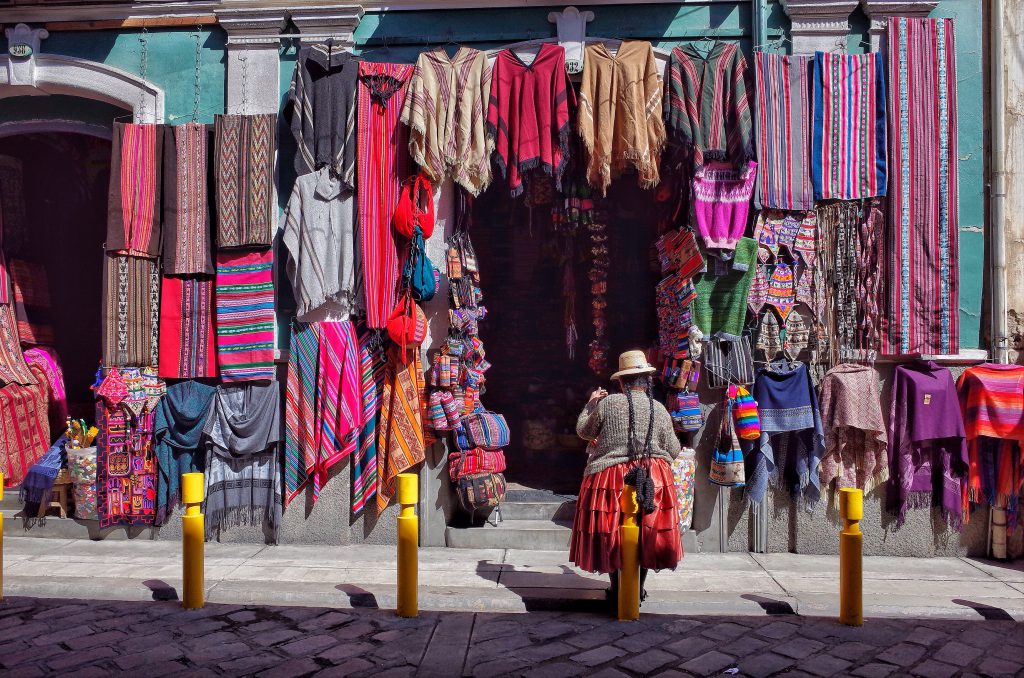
[133, 216]
[792, 440]
[319, 234]
[186, 210]
[400, 442]
[243, 473]
[783, 123]
[528, 116]
[24, 426]
[707, 114]
[43, 360]
[721, 204]
[927, 444]
[244, 170]
[848, 155]
[245, 315]
[620, 116]
[32, 303]
[131, 311]
[177, 436]
[364, 458]
[383, 164]
[5, 274]
[125, 463]
[187, 349]
[13, 369]
[992, 403]
[446, 110]
[37, 487]
[922, 313]
[323, 403]
[855, 435]
[320, 108]
[721, 304]
[12, 207]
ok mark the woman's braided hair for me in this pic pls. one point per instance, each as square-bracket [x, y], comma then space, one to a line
[639, 475]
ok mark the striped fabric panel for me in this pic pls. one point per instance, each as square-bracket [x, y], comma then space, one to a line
[783, 131]
[244, 149]
[339, 392]
[192, 247]
[300, 408]
[848, 155]
[138, 187]
[922, 310]
[364, 460]
[383, 152]
[131, 311]
[400, 443]
[186, 328]
[245, 315]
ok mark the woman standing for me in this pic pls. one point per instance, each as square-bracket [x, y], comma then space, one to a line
[631, 440]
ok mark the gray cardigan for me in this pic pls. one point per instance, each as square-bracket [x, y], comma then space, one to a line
[606, 425]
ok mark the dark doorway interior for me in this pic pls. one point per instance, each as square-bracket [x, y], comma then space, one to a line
[65, 179]
[533, 381]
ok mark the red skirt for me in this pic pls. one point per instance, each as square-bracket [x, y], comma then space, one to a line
[595, 529]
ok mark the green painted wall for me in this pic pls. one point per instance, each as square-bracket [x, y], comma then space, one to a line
[400, 36]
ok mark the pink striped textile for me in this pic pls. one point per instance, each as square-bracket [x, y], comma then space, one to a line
[783, 125]
[133, 218]
[245, 315]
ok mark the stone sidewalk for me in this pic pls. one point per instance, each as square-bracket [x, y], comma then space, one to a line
[502, 581]
[86, 639]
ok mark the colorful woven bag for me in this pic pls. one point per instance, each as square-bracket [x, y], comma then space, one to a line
[686, 415]
[487, 430]
[727, 457]
[744, 410]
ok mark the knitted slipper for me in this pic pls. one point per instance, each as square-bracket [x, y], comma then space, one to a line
[768, 336]
[806, 239]
[781, 290]
[797, 335]
[804, 287]
[766, 236]
[758, 290]
[787, 232]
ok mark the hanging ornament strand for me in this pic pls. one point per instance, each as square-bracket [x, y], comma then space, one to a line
[197, 76]
[143, 72]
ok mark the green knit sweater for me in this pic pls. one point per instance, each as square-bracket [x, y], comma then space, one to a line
[606, 425]
[721, 304]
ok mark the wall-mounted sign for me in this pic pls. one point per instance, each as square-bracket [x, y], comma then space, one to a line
[19, 50]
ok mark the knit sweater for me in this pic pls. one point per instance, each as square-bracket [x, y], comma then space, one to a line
[606, 425]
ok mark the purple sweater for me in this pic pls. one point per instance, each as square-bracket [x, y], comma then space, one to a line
[927, 443]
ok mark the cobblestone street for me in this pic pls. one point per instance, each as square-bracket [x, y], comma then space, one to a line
[89, 638]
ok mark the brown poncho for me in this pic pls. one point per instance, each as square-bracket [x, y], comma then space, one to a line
[619, 116]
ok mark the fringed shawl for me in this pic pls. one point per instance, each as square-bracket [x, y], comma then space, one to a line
[528, 116]
[707, 114]
[187, 245]
[927, 443]
[321, 110]
[177, 440]
[446, 110]
[43, 359]
[133, 200]
[37, 486]
[364, 457]
[855, 436]
[792, 440]
[243, 472]
[620, 118]
[400, 440]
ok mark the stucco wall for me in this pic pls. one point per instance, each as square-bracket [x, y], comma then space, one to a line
[1013, 62]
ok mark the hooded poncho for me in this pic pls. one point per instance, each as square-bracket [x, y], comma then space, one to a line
[319, 232]
[791, 440]
[446, 109]
[927, 445]
[177, 436]
[528, 115]
[619, 117]
[992, 402]
[707, 114]
[321, 111]
[855, 438]
[243, 473]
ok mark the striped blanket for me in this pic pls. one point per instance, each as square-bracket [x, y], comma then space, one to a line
[848, 143]
[783, 131]
[400, 442]
[133, 217]
[923, 249]
[244, 165]
[131, 311]
[364, 459]
[245, 315]
[186, 328]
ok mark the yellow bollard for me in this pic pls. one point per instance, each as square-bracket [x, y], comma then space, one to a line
[629, 546]
[851, 564]
[408, 543]
[193, 537]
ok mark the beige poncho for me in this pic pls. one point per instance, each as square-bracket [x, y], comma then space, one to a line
[446, 110]
[620, 113]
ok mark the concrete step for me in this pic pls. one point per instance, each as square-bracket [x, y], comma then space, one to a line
[538, 510]
[69, 528]
[528, 535]
[9, 501]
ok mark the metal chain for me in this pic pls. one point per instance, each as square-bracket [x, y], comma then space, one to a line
[198, 75]
[143, 69]
[243, 107]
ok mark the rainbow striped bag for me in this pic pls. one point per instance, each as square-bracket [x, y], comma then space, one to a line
[744, 411]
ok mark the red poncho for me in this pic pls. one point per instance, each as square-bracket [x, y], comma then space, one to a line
[528, 115]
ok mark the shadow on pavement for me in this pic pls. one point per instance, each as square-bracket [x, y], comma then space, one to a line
[161, 589]
[987, 612]
[359, 597]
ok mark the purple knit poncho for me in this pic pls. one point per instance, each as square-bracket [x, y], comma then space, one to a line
[927, 444]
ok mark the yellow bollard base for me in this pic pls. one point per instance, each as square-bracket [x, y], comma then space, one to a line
[629, 575]
[408, 566]
[193, 534]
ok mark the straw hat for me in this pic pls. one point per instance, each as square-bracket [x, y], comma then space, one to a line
[633, 362]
